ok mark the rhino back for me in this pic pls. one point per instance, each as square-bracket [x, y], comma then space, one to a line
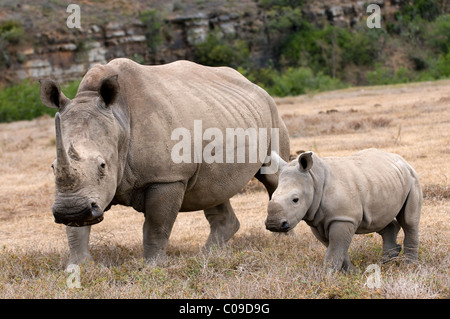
[163, 98]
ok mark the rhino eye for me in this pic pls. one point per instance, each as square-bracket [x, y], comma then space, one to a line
[295, 200]
[101, 166]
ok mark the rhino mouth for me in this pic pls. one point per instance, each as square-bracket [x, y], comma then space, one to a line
[88, 216]
[82, 223]
[280, 227]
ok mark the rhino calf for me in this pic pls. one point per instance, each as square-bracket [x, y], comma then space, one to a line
[370, 191]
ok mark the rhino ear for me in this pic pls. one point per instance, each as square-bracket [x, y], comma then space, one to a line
[109, 89]
[280, 163]
[51, 94]
[305, 161]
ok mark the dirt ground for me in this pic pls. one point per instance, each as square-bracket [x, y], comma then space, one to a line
[411, 120]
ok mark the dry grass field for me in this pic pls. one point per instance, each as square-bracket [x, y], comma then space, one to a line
[411, 120]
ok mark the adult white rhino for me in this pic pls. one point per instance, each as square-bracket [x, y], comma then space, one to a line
[114, 144]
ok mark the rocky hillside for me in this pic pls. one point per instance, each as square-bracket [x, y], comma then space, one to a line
[36, 41]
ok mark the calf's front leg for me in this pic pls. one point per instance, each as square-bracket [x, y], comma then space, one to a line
[339, 238]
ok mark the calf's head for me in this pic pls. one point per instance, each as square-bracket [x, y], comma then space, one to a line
[293, 196]
[88, 137]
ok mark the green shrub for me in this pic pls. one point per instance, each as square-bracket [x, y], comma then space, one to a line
[424, 9]
[295, 81]
[305, 48]
[360, 46]
[218, 50]
[442, 69]
[11, 31]
[22, 101]
[381, 75]
[438, 35]
[330, 49]
[384, 75]
[264, 77]
[153, 22]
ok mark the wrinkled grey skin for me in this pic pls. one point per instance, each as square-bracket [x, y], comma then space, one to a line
[113, 143]
[370, 191]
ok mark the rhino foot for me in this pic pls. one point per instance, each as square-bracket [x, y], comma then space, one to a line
[391, 253]
[223, 222]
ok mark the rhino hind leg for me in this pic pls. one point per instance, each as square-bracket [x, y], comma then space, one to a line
[390, 247]
[223, 222]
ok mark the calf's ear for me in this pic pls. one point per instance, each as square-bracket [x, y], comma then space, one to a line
[109, 89]
[51, 94]
[305, 161]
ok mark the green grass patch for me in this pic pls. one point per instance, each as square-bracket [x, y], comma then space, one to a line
[22, 101]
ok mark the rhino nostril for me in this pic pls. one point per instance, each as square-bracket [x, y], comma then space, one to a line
[284, 226]
[96, 211]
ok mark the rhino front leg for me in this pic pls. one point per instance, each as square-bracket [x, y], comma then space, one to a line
[78, 240]
[223, 222]
[339, 238]
[162, 204]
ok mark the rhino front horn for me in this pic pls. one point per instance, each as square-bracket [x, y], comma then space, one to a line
[61, 154]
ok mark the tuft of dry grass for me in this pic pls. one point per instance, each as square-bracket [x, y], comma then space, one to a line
[331, 123]
[437, 192]
[411, 120]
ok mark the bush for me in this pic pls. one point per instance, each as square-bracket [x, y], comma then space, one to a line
[424, 9]
[22, 101]
[361, 46]
[295, 81]
[218, 50]
[438, 36]
[11, 33]
[153, 22]
[443, 66]
[384, 75]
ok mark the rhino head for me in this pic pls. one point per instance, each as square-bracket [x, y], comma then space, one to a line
[294, 195]
[89, 137]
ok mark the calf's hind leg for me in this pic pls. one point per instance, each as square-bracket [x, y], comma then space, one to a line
[223, 222]
[390, 247]
[409, 218]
